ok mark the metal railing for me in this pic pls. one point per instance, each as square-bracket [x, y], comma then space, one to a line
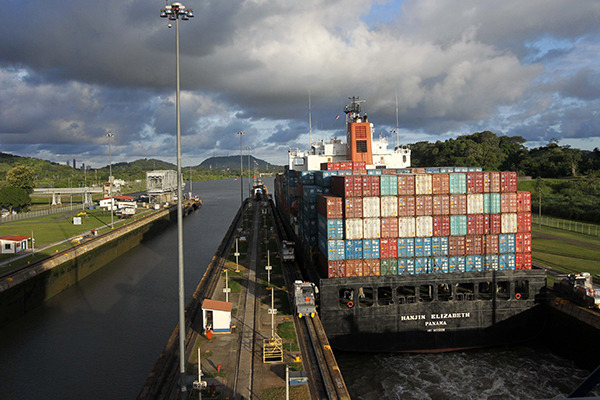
[565, 224]
[39, 213]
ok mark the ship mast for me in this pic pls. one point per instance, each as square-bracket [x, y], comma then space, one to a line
[309, 123]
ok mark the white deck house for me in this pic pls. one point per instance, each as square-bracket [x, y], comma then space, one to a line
[216, 315]
[14, 244]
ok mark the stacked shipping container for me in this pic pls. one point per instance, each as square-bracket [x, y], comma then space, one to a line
[411, 221]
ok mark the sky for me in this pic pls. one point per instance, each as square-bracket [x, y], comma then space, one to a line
[72, 71]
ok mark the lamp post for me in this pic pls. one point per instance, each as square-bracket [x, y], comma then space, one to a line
[249, 178]
[110, 136]
[173, 12]
[241, 133]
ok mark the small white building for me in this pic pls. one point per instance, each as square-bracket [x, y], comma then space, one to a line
[216, 315]
[14, 244]
[119, 202]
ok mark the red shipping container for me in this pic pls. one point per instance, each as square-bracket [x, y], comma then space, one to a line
[347, 185]
[458, 204]
[359, 165]
[491, 182]
[423, 205]
[371, 267]
[523, 260]
[508, 181]
[326, 166]
[441, 204]
[345, 166]
[388, 247]
[370, 185]
[523, 201]
[418, 170]
[330, 206]
[474, 182]
[475, 224]
[406, 206]
[389, 229]
[524, 222]
[440, 183]
[473, 245]
[354, 268]
[456, 246]
[353, 207]
[508, 203]
[491, 244]
[523, 242]
[441, 225]
[331, 268]
[406, 185]
[493, 224]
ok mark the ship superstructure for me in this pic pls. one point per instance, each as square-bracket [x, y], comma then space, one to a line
[410, 259]
[360, 146]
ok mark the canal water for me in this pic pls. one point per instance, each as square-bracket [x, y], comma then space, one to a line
[100, 339]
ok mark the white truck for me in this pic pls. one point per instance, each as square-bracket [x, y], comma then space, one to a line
[304, 298]
[287, 251]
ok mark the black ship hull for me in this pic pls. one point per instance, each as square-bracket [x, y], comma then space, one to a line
[432, 312]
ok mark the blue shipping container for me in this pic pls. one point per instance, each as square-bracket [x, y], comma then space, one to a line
[307, 177]
[439, 246]
[406, 247]
[354, 249]
[440, 264]
[421, 265]
[446, 170]
[490, 262]
[406, 266]
[374, 172]
[310, 192]
[506, 262]
[422, 247]
[458, 225]
[371, 249]
[332, 228]
[491, 203]
[456, 264]
[432, 170]
[506, 243]
[323, 178]
[334, 249]
[458, 183]
[388, 185]
[473, 263]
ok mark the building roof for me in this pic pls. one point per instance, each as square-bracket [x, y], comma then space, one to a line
[15, 238]
[120, 198]
[209, 304]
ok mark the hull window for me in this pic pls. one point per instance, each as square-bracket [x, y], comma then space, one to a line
[425, 293]
[347, 298]
[465, 291]
[503, 290]
[385, 296]
[406, 294]
[485, 291]
[365, 297]
[521, 290]
[444, 292]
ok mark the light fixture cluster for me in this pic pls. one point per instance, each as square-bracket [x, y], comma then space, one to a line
[176, 10]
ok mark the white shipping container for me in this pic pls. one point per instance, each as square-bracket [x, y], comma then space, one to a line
[509, 223]
[423, 184]
[406, 227]
[389, 206]
[371, 228]
[424, 226]
[354, 228]
[475, 203]
[371, 207]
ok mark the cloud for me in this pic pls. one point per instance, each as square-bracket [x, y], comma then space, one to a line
[71, 73]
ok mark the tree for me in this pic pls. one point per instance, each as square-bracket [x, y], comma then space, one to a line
[13, 197]
[22, 177]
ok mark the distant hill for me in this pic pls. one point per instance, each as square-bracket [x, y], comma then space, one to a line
[233, 162]
[45, 172]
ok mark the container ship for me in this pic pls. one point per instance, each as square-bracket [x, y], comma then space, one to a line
[410, 259]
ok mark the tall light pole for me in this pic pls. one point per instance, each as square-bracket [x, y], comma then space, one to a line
[173, 12]
[249, 178]
[110, 136]
[241, 133]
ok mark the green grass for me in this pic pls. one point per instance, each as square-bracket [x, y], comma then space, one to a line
[564, 256]
[286, 330]
[299, 392]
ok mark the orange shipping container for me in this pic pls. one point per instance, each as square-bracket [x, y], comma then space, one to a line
[423, 205]
[371, 267]
[406, 206]
[354, 268]
[406, 185]
[441, 204]
[491, 182]
[440, 183]
[353, 207]
[473, 245]
[458, 204]
[330, 206]
[389, 228]
[491, 244]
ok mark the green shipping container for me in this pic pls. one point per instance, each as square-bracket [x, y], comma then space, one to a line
[389, 266]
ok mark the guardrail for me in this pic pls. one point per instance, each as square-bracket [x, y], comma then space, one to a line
[38, 213]
[573, 226]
